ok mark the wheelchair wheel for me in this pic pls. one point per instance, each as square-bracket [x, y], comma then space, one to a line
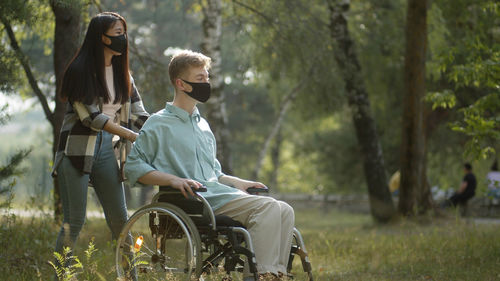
[159, 242]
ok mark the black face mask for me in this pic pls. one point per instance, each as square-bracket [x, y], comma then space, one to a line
[118, 43]
[200, 91]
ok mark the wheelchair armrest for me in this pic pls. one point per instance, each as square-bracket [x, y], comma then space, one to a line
[257, 190]
[201, 189]
[170, 189]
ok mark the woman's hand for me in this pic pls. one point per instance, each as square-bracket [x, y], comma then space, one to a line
[132, 136]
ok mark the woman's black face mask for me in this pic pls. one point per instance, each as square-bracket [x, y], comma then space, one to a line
[118, 43]
[200, 92]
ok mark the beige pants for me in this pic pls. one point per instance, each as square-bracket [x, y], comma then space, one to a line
[270, 223]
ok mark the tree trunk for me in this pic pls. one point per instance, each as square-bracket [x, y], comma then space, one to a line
[412, 159]
[67, 35]
[381, 205]
[216, 105]
[431, 119]
[275, 159]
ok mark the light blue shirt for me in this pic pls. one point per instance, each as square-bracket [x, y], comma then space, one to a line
[174, 142]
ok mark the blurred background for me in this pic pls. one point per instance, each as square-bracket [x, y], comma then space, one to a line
[282, 93]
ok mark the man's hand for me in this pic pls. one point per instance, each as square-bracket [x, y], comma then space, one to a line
[164, 179]
[244, 184]
[185, 185]
[240, 183]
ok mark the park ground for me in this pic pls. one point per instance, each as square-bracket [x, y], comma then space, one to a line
[342, 246]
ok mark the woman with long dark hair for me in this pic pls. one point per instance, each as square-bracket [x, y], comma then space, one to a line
[102, 102]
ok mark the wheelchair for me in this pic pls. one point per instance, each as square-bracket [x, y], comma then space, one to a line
[178, 238]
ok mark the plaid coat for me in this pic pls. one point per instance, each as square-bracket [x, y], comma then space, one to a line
[82, 123]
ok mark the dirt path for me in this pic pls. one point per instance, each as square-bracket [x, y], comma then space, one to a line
[28, 213]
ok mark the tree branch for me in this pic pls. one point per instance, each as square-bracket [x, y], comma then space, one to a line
[285, 105]
[144, 59]
[27, 69]
[255, 11]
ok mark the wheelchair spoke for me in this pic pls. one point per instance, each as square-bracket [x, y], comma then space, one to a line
[167, 248]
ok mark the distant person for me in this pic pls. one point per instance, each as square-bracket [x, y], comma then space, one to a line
[493, 181]
[394, 183]
[103, 102]
[467, 189]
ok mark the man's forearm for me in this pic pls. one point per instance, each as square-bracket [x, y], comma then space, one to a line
[239, 183]
[462, 187]
[229, 180]
[157, 178]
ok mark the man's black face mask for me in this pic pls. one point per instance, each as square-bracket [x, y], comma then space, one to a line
[200, 91]
[118, 43]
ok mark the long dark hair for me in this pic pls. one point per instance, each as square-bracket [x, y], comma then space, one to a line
[84, 79]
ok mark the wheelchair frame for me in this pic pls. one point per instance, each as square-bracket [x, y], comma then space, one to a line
[222, 241]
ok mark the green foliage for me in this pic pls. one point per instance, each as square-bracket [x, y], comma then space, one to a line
[9, 71]
[4, 116]
[33, 24]
[292, 47]
[24, 130]
[17, 11]
[66, 266]
[471, 66]
[69, 267]
[481, 124]
[91, 268]
[7, 174]
[445, 99]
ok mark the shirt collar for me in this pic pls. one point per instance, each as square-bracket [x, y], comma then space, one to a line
[182, 114]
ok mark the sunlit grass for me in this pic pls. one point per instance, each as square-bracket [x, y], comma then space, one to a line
[350, 247]
[341, 247]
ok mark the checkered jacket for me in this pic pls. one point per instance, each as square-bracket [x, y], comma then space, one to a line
[82, 123]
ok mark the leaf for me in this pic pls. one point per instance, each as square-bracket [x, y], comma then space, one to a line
[445, 99]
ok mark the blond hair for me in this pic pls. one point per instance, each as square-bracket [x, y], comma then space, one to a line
[185, 59]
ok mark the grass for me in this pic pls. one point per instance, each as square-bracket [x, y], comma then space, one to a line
[341, 246]
[351, 248]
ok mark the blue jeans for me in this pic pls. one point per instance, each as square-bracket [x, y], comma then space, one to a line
[73, 187]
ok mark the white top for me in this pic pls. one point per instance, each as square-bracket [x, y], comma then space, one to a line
[493, 180]
[110, 109]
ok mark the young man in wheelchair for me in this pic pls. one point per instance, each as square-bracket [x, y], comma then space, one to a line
[177, 148]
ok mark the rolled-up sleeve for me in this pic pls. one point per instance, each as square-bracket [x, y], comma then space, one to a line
[90, 115]
[218, 169]
[140, 157]
[138, 114]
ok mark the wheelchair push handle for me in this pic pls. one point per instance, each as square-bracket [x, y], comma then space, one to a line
[257, 190]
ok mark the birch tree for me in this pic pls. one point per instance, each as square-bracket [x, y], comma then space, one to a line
[381, 205]
[216, 105]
